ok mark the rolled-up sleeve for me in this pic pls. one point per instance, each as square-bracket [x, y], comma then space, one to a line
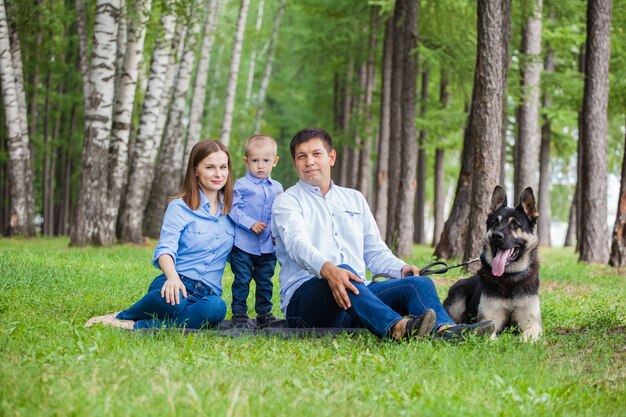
[173, 225]
[288, 222]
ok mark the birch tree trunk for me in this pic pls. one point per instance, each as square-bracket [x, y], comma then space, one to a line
[382, 163]
[199, 90]
[487, 125]
[148, 140]
[231, 90]
[168, 171]
[17, 140]
[593, 247]
[92, 198]
[543, 227]
[395, 132]
[439, 186]
[267, 70]
[16, 55]
[404, 215]
[618, 244]
[529, 140]
[253, 56]
[123, 113]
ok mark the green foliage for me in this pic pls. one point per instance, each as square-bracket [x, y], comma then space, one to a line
[52, 365]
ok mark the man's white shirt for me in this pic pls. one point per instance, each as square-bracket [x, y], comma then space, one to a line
[311, 229]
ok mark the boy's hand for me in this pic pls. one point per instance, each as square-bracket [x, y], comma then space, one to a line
[258, 227]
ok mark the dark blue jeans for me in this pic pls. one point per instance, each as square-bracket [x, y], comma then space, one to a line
[200, 309]
[247, 267]
[378, 306]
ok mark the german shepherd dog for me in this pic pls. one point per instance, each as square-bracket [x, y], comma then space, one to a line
[506, 288]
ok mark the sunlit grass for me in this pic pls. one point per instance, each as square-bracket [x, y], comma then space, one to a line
[51, 365]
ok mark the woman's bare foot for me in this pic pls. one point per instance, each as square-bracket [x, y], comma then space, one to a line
[110, 320]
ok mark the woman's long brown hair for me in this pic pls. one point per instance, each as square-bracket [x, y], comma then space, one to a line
[190, 191]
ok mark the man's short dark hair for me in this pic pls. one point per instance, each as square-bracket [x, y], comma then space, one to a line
[308, 134]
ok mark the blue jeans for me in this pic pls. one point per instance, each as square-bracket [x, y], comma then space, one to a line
[246, 267]
[378, 306]
[200, 309]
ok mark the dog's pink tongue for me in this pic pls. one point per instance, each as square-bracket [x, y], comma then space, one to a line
[499, 261]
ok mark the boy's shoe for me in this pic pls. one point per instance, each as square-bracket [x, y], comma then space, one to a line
[265, 320]
[419, 326]
[461, 331]
[242, 321]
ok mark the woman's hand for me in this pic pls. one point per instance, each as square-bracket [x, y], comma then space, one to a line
[171, 290]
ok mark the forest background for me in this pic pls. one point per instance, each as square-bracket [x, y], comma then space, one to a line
[172, 72]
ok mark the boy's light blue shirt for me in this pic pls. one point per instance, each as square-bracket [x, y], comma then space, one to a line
[252, 202]
[311, 229]
[197, 241]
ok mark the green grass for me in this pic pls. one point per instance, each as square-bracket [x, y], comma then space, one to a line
[50, 364]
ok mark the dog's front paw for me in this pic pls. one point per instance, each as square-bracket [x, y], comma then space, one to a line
[532, 334]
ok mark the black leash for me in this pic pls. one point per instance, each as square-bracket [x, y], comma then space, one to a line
[428, 269]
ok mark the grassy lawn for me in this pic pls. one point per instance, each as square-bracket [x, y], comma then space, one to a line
[51, 365]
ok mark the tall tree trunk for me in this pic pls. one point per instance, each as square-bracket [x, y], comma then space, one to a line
[487, 126]
[382, 162]
[122, 40]
[420, 175]
[572, 222]
[47, 152]
[356, 130]
[167, 175]
[231, 90]
[404, 211]
[439, 186]
[594, 246]
[395, 121]
[365, 167]
[92, 200]
[543, 228]
[529, 140]
[344, 177]
[267, 70]
[579, 160]
[253, 55]
[123, 115]
[199, 90]
[16, 55]
[618, 243]
[148, 140]
[19, 153]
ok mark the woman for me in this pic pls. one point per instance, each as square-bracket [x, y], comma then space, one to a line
[196, 238]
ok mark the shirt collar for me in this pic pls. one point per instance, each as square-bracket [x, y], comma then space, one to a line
[257, 180]
[205, 201]
[315, 189]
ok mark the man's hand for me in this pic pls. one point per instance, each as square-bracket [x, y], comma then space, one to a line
[258, 227]
[338, 281]
[170, 289]
[409, 270]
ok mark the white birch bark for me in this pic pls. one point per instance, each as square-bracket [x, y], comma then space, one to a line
[147, 143]
[122, 41]
[92, 198]
[167, 174]
[202, 75]
[16, 55]
[529, 143]
[19, 154]
[231, 90]
[267, 71]
[253, 55]
[123, 112]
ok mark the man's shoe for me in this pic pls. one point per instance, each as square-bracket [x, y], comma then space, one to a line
[242, 321]
[265, 320]
[461, 331]
[419, 326]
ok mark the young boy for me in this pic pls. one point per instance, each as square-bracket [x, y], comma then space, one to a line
[253, 253]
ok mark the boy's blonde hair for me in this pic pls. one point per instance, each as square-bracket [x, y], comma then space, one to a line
[258, 138]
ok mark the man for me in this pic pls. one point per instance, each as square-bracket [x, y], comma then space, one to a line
[326, 237]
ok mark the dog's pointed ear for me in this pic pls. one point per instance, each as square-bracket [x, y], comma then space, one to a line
[498, 198]
[528, 205]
